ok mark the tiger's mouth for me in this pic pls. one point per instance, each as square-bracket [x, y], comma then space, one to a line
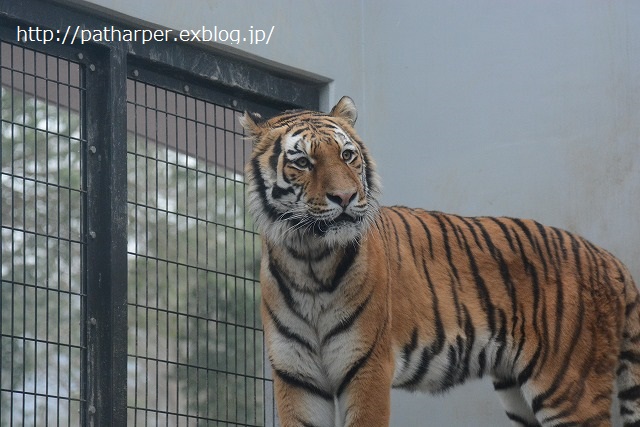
[320, 228]
[344, 217]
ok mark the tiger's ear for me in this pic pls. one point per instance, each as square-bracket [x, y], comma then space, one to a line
[251, 123]
[345, 109]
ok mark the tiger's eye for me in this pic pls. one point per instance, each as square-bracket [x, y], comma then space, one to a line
[347, 155]
[302, 162]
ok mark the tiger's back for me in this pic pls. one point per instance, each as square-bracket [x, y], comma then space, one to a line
[357, 299]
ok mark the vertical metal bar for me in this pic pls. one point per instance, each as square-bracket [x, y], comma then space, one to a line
[106, 221]
[58, 249]
[166, 261]
[13, 226]
[1, 231]
[144, 157]
[177, 263]
[46, 256]
[24, 260]
[83, 394]
[187, 267]
[134, 158]
[206, 249]
[157, 260]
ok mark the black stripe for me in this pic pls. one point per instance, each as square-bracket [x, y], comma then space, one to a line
[457, 231]
[426, 231]
[447, 246]
[532, 241]
[626, 411]
[456, 298]
[504, 273]
[396, 235]
[298, 132]
[348, 258]
[285, 291]
[436, 347]
[545, 336]
[525, 374]
[410, 347]
[573, 394]
[560, 236]
[310, 257]
[278, 192]
[527, 232]
[545, 239]
[298, 382]
[407, 229]
[472, 229]
[262, 190]
[501, 338]
[277, 149]
[382, 230]
[523, 337]
[583, 422]
[621, 369]
[482, 362]
[367, 165]
[286, 332]
[421, 370]
[483, 291]
[634, 339]
[538, 401]
[531, 271]
[438, 344]
[504, 384]
[505, 231]
[630, 356]
[575, 246]
[355, 368]
[347, 322]
[470, 337]
[451, 374]
[559, 317]
[361, 361]
[630, 307]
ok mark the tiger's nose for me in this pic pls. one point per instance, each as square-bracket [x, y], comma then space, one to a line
[342, 198]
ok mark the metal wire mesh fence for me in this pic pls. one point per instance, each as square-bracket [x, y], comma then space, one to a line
[195, 343]
[43, 199]
[194, 339]
[194, 330]
[129, 266]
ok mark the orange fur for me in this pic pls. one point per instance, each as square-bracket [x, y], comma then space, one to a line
[357, 299]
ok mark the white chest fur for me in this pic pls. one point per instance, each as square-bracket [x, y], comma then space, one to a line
[313, 311]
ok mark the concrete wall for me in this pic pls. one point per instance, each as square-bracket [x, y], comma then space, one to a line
[526, 109]
[486, 107]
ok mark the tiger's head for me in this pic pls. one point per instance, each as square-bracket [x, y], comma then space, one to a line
[311, 180]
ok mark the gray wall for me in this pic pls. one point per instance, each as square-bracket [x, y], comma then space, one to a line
[525, 109]
[487, 107]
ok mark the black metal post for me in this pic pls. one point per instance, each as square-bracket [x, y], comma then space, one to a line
[106, 229]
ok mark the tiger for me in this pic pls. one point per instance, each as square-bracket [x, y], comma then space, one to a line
[359, 298]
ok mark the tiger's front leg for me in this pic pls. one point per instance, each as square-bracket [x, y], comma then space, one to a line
[299, 407]
[364, 394]
[366, 398]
